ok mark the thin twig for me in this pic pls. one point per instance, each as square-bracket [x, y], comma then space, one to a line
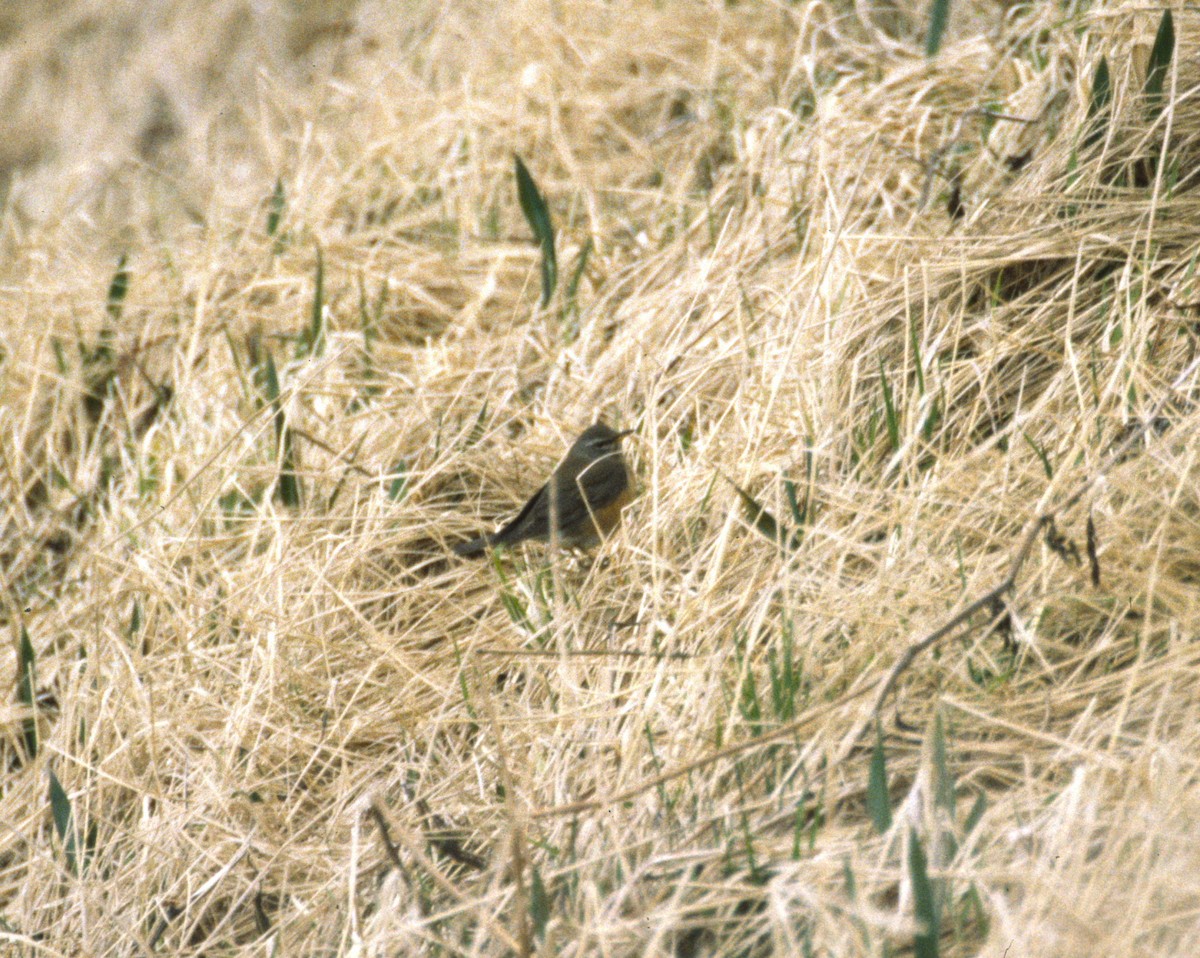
[413, 847]
[392, 852]
[440, 835]
[341, 457]
[584, 653]
[988, 599]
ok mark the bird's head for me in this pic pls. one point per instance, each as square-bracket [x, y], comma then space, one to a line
[598, 440]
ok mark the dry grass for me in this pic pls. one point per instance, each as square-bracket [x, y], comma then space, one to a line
[307, 729]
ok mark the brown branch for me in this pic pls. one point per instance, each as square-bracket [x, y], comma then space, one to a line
[987, 600]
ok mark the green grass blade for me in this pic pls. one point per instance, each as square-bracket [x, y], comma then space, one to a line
[764, 523]
[925, 941]
[100, 379]
[879, 806]
[60, 356]
[1160, 61]
[1101, 88]
[1041, 454]
[891, 417]
[399, 484]
[577, 272]
[939, 17]
[570, 310]
[749, 703]
[512, 603]
[60, 809]
[533, 205]
[978, 807]
[288, 488]
[275, 208]
[799, 511]
[312, 340]
[786, 675]
[918, 360]
[1097, 121]
[118, 287]
[478, 428]
[539, 904]
[27, 693]
[271, 383]
[289, 481]
[943, 781]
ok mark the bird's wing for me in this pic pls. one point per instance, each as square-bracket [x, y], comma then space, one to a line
[536, 503]
[605, 480]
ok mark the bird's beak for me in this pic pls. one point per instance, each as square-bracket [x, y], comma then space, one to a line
[625, 432]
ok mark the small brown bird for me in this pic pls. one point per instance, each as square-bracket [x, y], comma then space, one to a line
[583, 499]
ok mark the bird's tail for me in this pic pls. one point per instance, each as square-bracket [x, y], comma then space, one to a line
[473, 547]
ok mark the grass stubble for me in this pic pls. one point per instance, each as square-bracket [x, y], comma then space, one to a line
[898, 333]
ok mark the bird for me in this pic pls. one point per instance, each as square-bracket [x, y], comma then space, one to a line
[582, 500]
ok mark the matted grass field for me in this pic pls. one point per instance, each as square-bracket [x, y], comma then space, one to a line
[896, 650]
